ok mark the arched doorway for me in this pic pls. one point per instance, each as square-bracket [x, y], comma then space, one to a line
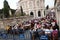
[39, 13]
[31, 13]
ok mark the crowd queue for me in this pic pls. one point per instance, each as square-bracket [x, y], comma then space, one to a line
[47, 25]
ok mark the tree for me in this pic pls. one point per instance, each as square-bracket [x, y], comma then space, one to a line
[22, 13]
[6, 9]
[47, 7]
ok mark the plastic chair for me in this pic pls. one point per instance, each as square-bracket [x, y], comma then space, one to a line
[21, 36]
[44, 37]
[30, 36]
[0, 35]
[4, 36]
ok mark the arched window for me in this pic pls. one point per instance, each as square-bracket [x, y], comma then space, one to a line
[31, 13]
[39, 13]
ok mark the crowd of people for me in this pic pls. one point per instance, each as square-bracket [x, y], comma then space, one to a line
[47, 24]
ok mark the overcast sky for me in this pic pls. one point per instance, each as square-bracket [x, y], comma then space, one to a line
[13, 3]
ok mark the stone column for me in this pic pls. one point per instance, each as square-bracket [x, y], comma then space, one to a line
[35, 14]
[56, 13]
[10, 13]
[42, 13]
[58, 19]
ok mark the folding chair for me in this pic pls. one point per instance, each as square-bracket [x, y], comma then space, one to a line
[22, 36]
[44, 37]
[4, 36]
[0, 35]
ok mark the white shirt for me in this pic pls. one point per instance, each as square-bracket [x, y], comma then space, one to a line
[51, 30]
[53, 23]
[47, 31]
[16, 26]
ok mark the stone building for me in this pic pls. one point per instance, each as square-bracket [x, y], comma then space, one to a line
[57, 10]
[33, 8]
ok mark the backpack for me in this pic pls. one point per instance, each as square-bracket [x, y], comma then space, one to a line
[55, 33]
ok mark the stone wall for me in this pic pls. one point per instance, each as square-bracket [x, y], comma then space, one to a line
[13, 21]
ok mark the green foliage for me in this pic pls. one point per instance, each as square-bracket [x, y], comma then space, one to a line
[6, 9]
